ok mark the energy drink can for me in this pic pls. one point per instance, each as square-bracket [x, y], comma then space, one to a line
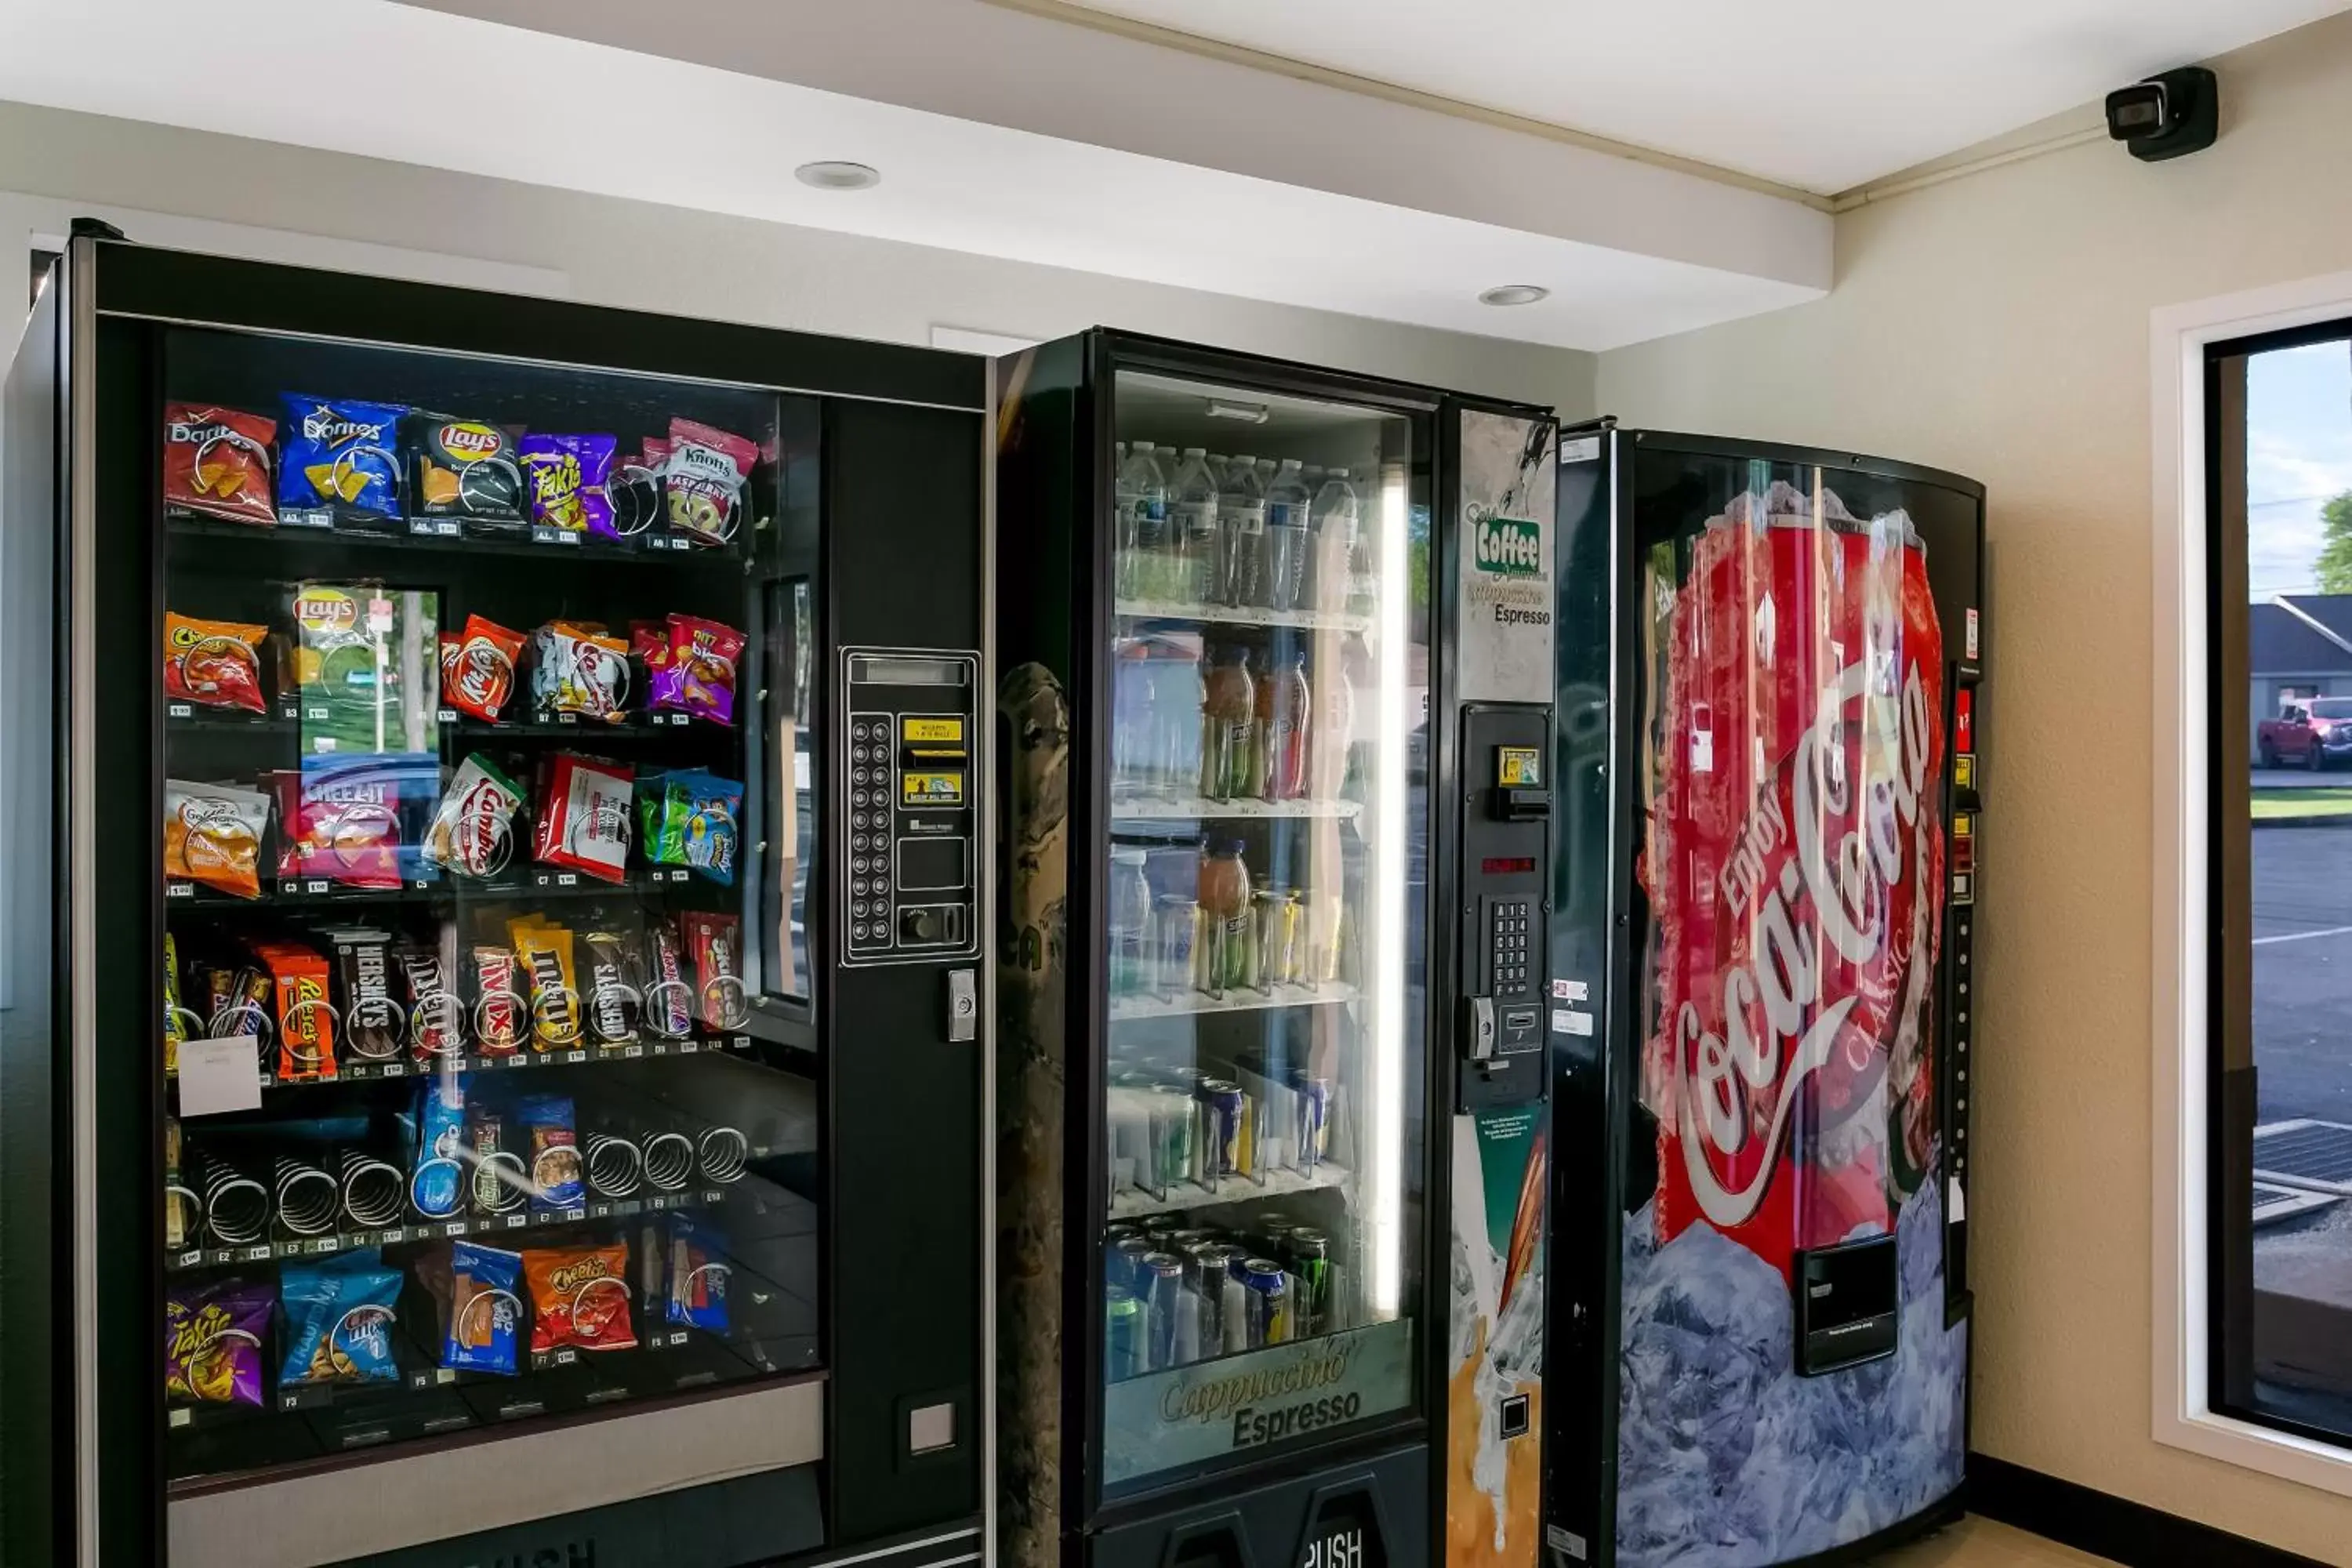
[1159, 1285]
[1191, 1236]
[1223, 1105]
[1216, 1296]
[1310, 1140]
[1122, 1334]
[1175, 1134]
[1310, 1283]
[1273, 1234]
[1123, 1262]
[1265, 1302]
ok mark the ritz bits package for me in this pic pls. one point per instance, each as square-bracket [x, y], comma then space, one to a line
[212, 834]
[477, 668]
[216, 463]
[705, 476]
[695, 671]
[584, 815]
[463, 471]
[340, 462]
[214, 664]
[579, 1297]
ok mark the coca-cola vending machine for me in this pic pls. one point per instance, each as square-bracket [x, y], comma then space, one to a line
[1761, 1306]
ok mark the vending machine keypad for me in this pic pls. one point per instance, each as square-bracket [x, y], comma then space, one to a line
[1510, 924]
[909, 861]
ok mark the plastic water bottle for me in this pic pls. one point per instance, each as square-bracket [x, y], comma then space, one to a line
[1241, 533]
[1193, 529]
[1140, 503]
[1334, 522]
[1363, 573]
[1130, 921]
[1288, 500]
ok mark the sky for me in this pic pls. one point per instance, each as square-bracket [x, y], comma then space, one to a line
[2298, 454]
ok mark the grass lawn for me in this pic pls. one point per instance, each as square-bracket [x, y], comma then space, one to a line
[2335, 802]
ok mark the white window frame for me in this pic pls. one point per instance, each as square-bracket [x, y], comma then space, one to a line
[2181, 741]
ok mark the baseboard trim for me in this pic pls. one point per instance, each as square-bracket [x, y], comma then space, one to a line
[2131, 1533]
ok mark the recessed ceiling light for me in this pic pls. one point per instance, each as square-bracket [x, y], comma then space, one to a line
[1514, 294]
[831, 175]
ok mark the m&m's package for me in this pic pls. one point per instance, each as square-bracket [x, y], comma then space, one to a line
[216, 463]
[341, 461]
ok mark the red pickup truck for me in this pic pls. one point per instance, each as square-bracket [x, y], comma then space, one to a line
[2310, 732]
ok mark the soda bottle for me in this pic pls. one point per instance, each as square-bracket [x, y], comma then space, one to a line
[1241, 533]
[1228, 726]
[1224, 899]
[1141, 504]
[1129, 921]
[1331, 731]
[1288, 500]
[1282, 727]
[1333, 553]
[1192, 529]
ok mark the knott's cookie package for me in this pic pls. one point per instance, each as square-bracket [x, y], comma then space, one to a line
[1794, 869]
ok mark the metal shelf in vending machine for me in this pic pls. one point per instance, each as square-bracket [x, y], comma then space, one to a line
[450, 1113]
[1270, 633]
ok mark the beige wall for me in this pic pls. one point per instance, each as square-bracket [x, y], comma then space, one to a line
[1998, 325]
[648, 256]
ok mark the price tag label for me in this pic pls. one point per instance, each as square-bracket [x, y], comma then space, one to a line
[517, 1221]
[395, 1069]
[448, 716]
[190, 1260]
[567, 878]
[576, 1056]
[633, 1051]
[179, 711]
[687, 1048]
[259, 1254]
[182, 1418]
[179, 889]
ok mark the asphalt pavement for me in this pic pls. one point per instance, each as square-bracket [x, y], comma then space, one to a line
[2303, 972]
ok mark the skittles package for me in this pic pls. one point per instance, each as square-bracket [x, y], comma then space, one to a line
[463, 469]
[580, 1298]
[216, 464]
[566, 477]
[339, 1317]
[212, 1341]
[340, 462]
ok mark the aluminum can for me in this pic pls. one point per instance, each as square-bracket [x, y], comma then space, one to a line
[1122, 1334]
[1216, 1295]
[1272, 1233]
[1175, 1134]
[1123, 1261]
[1278, 957]
[1311, 1139]
[1309, 1256]
[1265, 1301]
[1224, 1105]
[1159, 1285]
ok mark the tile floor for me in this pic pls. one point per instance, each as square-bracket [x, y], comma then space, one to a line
[1981, 1543]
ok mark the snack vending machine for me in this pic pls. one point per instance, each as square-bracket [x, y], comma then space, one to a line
[497, 858]
[1760, 1310]
[1278, 654]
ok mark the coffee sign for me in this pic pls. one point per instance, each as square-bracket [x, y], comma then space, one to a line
[1260, 1398]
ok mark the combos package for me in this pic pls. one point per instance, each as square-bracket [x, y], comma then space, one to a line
[473, 829]
[216, 463]
[340, 465]
[212, 1341]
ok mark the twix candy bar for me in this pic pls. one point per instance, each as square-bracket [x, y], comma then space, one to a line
[499, 1007]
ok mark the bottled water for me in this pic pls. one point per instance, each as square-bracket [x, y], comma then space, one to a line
[1334, 524]
[1363, 573]
[1241, 533]
[1140, 503]
[1192, 530]
[1288, 500]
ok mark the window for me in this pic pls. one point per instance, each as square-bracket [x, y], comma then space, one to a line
[2278, 464]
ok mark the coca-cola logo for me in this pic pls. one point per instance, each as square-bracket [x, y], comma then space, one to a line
[1854, 830]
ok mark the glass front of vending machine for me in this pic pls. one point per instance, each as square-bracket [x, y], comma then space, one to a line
[1233, 1040]
[559, 829]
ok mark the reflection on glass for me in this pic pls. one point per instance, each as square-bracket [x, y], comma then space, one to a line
[470, 1119]
[1260, 1040]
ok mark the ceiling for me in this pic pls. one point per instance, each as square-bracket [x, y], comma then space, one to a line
[1823, 95]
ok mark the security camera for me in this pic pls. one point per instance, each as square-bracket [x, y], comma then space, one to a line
[2166, 116]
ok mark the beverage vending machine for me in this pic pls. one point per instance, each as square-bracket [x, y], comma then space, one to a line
[1279, 677]
[497, 862]
[1759, 1307]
